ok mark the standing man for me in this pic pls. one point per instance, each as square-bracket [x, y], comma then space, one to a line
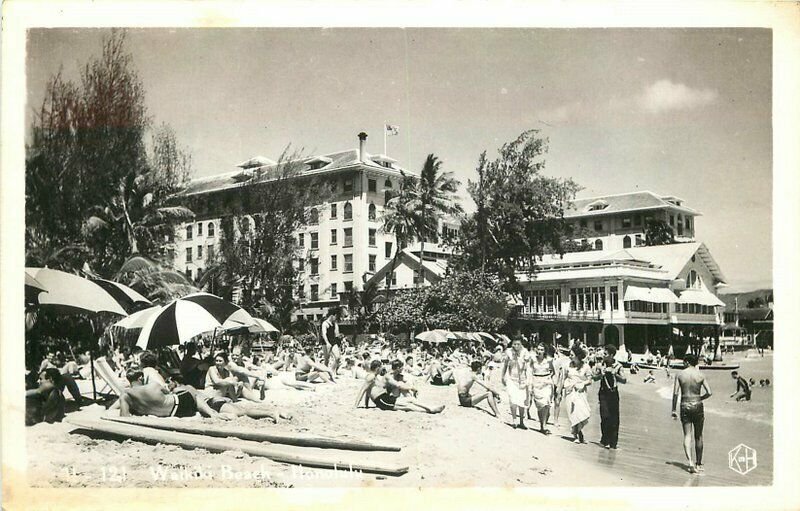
[329, 332]
[609, 372]
[693, 388]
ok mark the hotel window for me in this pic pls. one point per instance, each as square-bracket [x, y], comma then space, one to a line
[626, 222]
[614, 298]
[210, 229]
[189, 255]
[348, 286]
[301, 292]
[301, 265]
[372, 185]
[314, 266]
[199, 251]
[301, 240]
[171, 253]
[314, 240]
[372, 242]
[189, 229]
[348, 237]
[348, 263]
[333, 290]
[388, 249]
[387, 196]
[639, 240]
[672, 220]
[598, 245]
[314, 292]
[587, 299]
[372, 262]
[334, 233]
[416, 280]
[543, 301]
[391, 279]
[693, 280]
[637, 220]
[334, 211]
[348, 184]
[387, 183]
[199, 229]
[210, 252]
[598, 225]
[583, 223]
[348, 211]
[313, 216]
[334, 262]
[626, 242]
[688, 223]
[189, 274]
[372, 215]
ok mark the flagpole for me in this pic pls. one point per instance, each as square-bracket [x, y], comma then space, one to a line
[384, 139]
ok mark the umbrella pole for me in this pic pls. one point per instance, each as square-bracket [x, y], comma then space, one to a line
[91, 363]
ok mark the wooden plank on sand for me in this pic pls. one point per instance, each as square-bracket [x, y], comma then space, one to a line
[297, 439]
[290, 455]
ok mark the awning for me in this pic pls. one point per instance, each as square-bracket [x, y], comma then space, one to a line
[700, 297]
[649, 294]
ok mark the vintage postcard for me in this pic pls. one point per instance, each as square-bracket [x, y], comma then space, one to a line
[493, 256]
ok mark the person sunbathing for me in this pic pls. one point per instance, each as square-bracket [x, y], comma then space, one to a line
[162, 401]
[438, 374]
[405, 394]
[308, 370]
[465, 379]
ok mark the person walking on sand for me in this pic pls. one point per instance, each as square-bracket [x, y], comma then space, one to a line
[610, 373]
[560, 363]
[514, 379]
[540, 386]
[577, 379]
[465, 379]
[693, 388]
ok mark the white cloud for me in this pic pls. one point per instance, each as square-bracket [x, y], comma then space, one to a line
[665, 95]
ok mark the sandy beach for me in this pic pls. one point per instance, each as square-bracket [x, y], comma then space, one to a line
[460, 447]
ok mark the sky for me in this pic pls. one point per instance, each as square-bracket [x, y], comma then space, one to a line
[684, 112]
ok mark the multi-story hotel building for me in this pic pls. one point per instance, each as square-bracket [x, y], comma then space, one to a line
[341, 246]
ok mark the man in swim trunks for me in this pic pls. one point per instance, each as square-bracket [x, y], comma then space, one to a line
[742, 388]
[405, 393]
[439, 374]
[308, 370]
[693, 389]
[465, 378]
[155, 399]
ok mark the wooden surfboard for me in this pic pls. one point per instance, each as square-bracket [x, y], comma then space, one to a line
[297, 439]
[282, 454]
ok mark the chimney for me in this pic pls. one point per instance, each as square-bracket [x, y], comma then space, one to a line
[362, 142]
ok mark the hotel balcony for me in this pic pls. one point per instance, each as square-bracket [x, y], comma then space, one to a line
[702, 319]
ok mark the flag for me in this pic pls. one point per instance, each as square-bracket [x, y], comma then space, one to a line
[392, 130]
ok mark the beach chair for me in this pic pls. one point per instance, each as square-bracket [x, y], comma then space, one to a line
[104, 371]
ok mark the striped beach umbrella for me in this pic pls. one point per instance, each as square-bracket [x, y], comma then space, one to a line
[435, 336]
[184, 318]
[137, 319]
[70, 294]
[258, 326]
[129, 299]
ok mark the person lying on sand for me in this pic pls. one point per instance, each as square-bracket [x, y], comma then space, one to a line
[465, 379]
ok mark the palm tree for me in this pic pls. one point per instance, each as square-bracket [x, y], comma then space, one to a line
[361, 305]
[400, 219]
[434, 199]
[136, 215]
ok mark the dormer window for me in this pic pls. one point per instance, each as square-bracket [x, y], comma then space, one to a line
[597, 205]
[317, 162]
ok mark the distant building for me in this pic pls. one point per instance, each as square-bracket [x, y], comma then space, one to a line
[404, 272]
[342, 245]
[616, 222]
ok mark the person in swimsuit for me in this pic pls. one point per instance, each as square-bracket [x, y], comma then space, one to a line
[693, 388]
[465, 379]
[577, 378]
[541, 386]
[329, 332]
[440, 375]
[160, 400]
[374, 388]
[514, 379]
[742, 388]
[309, 371]
[405, 394]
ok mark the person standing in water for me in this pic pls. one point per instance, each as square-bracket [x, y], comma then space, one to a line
[693, 388]
[515, 380]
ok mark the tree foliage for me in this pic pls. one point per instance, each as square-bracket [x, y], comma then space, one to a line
[519, 214]
[658, 232]
[257, 257]
[363, 306]
[92, 181]
[468, 301]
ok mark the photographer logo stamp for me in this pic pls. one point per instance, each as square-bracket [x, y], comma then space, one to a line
[742, 459]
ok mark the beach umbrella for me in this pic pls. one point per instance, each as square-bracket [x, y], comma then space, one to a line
[258, 326]
[129, 299]
[137, 319]
[435, 336]
[32, 288]
[72, 294]
[187, 317]
[486, 336]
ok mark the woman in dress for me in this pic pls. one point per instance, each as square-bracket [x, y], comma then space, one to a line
[515, 380]
[577, 379]
[541, 386]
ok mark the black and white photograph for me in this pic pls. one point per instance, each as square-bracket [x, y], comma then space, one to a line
[398, 257]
